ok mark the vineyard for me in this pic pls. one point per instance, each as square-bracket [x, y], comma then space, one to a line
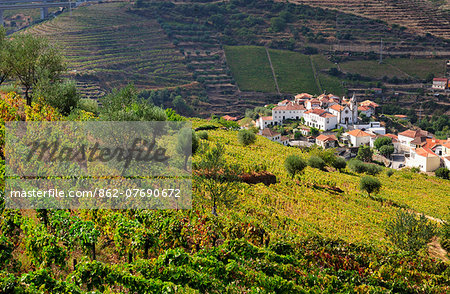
[315, 232]
[419, 16]
[107, 47]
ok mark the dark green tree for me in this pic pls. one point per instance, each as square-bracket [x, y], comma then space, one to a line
[369, 184]
[294, 164]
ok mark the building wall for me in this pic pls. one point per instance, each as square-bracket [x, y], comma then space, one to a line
[358, 141]
[426, 164]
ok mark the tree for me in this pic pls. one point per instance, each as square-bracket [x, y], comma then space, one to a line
[339, 163]
[387, 150]
[443, 173]
[277, 24]
[408, 232]
[314, 131]
[246, 137]
[64, 96]
[218, 178]
[369, 184]
[5, 67]
[294, 164]
[316, 162]
[33, 58]
[382, 141]
[364, 153]
[187, 144]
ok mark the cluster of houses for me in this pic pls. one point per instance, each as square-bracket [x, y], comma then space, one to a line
[424, 151]
[328, 112]
[325, 112]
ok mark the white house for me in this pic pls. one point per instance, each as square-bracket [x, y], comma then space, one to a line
[288, 111]
[358, 137]
[320, 119]
[405, 138]
[284, 140]
[367, 111]
[264, 121]
[423, 158]
[439, 84]
[271, 135]
[326, 141]
[312, 104]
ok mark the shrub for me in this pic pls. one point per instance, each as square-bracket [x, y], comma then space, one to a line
[369, 184]
[89, 105]
[206, 127]
[203, 135]
[386, 150]
[372, 169]
[316, 162]
[443, 173]
[445, 236]
[246, 137]
[356, 166]
[364, 153]
[415, 170]
[408, 232]
[339, 163]
[389, 172]
[382, 141]
[294, 164]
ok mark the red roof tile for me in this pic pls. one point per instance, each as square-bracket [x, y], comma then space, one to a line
[358, 133]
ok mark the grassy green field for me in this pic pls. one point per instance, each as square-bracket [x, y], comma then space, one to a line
[250, 68]
[329, 83]
[400, 67]
[372, 69]
[419, 68]
[293, 71]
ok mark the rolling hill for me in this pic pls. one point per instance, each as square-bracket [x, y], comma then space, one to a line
[108, 47]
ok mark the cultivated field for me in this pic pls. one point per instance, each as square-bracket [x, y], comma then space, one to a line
[250, 68]
[108, 47]
[419, 16]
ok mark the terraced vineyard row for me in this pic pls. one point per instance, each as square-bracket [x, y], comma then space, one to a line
[108, 47]
[202, 48]
[420, 16]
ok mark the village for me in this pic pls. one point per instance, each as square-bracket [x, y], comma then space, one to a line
[327, 121]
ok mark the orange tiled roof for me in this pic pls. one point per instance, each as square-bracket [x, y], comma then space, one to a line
[266, 118]
[303, 95]
[231, 118]
[414, 134]
[269, 133]
[290, 107]
[337, 107]
[425, 152]
[323, 137]
[358, 133]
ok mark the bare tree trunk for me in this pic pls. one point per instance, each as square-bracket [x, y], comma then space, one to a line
[93, 251]
[28, 97]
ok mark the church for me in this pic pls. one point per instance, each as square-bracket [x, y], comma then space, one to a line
[346, 112]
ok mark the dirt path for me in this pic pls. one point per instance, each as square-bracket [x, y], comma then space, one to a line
[316, 78]
[273, 71]
[435, 250]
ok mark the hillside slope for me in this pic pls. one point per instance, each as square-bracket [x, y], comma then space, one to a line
[108, 47]
[420, 16]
